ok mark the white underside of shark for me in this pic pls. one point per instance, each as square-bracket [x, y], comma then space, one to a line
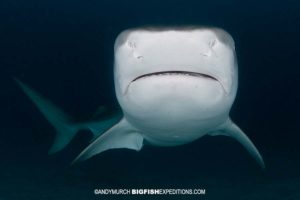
[174, 86]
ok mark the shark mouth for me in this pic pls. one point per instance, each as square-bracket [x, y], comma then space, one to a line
[183, 73]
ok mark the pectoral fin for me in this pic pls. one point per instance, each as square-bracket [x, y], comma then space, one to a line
[119, 136]
[232, 130]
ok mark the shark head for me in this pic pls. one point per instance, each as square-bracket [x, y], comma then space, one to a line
[170, 76]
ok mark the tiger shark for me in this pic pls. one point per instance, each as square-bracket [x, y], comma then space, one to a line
[174, 86]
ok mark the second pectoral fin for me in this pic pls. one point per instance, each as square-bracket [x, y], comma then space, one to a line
[119, 136]
[232, 130]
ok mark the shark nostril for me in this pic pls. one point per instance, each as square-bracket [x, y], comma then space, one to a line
[137, 55]
[212, 43]
[211, 50]
[131, 44]
[205, 54]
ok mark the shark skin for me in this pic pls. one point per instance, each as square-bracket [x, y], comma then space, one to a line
[174, 86]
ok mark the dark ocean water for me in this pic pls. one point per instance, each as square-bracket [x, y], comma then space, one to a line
[64, 49]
